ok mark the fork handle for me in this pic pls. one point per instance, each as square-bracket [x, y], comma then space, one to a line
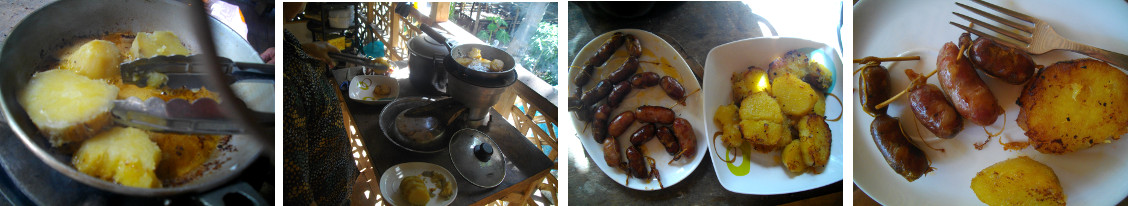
[1116, 59]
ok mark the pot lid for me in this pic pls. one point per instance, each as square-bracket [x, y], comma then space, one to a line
[426, 46]
[477, 158]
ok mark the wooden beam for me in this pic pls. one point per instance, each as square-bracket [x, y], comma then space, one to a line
[440, 11]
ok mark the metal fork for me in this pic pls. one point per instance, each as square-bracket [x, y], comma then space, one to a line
[1041, 39]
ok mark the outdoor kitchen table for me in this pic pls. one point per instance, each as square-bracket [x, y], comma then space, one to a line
[693, 29]
[525, 163]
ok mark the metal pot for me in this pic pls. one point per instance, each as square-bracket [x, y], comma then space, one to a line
[35, 41]
[426, 62]
[478, 90]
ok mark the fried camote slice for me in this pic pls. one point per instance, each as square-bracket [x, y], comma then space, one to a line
[796, 98]
[51, 100]
[792, 157]
[414, 190]
[1018, 181]
[124, 155]
[814, 136]
[182, 153]
[157, 43]
[760, 106]
[1073, 105]
[764, 135]
[728, 119]
[762, 122]
[96, 59]
[749, 82]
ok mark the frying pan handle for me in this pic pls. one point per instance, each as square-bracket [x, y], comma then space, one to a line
[434, 34]
[240, 189]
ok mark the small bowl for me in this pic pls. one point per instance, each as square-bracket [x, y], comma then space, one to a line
[361, 89]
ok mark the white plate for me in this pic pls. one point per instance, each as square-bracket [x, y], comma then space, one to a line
[390, 181]
[654, 49]
[361, 87]
[761, 173]
[1092, 176]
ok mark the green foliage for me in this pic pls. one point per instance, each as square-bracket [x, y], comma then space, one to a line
[541, 55]
[495, 31]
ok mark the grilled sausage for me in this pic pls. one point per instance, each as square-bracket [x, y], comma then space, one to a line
[620, 124]
[684, 132]
[932, 109]
[617, 39]
[599, 124]
[643, 134]
[629, 68]
[635, 163]
[644, 80]
[585, 75]
[596, 93]
[875, 87]
[654, 114]
[965, 89]
[904, 157]
[666, 136]
[611, 153]
[1000, 61]
[634, 47]
[673, 89]
[618, 93]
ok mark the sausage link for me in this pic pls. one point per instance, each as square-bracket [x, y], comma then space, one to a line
[654, 114]
[905, 158]
[618, 93]
[1002, 62]
[634, 47]
[666, 136]
[644, 80]
[636, 163]
[932, 109]
[596, 93]
[643, 134]
[876, 88]
[617, 39]
[684, 132]
[599, 125]
[673, 89]
[629, 68]
[620, 123]
[585, 75]
[611, 153]
[967, 92]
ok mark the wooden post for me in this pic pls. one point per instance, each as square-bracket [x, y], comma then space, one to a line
[394, 30]
[440, 11]
[475, 14]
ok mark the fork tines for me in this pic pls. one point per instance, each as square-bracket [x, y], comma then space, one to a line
[1022, 38]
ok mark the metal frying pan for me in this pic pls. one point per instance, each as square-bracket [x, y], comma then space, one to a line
[36, 39]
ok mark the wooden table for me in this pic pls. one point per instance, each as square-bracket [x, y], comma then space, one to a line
[526, 165]
[693, 29]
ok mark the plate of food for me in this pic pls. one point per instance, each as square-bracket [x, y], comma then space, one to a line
[418, 183]
[639, 108]
[765, 89]
[373, 89]
[1048, 120]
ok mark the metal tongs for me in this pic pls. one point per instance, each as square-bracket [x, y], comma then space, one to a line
[200, 116]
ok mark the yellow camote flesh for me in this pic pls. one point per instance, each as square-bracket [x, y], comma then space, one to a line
[158, 43]
[123, 155]
[97, 59]
[67, 107]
